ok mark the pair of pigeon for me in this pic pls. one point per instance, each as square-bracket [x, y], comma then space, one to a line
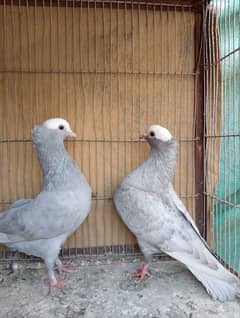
[146, 202]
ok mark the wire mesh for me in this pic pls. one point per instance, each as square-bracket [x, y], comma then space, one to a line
[111, 68]
[222, 155]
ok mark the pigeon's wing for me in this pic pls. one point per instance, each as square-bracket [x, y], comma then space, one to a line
[46, 216]
[177, 203]
[7, 217]
[157, 221]
[174, 198]
[20, 203]
[199, 258]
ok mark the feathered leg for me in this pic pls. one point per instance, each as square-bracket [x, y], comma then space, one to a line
[52, 279]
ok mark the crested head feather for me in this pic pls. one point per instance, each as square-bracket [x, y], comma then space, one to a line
[54, 123]
[54, 128]
[160, 133]
[59, 124]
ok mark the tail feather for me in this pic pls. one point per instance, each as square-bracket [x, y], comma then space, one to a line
[218, 281]
[218, 288]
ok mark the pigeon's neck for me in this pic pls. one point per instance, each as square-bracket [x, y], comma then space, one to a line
[162, 162]
[156, 173]
[53, 159]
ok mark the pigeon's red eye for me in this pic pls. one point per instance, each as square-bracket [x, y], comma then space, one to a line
[152, 134]
[61, 127]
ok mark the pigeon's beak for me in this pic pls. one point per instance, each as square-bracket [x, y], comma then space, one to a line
[143, 136]
[72, 134]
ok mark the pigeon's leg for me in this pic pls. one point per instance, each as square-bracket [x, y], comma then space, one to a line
[143, 270]
[52, 279]
[64, 267]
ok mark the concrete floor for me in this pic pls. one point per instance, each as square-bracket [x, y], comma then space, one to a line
[101, 289]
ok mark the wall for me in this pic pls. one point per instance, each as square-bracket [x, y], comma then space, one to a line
[110, 72]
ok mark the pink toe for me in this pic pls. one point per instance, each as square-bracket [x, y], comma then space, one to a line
[61, 284]
[69, 270]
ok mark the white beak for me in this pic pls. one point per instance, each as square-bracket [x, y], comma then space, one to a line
[72, 134]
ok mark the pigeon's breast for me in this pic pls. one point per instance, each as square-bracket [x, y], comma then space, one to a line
[131, 203]
[78, 197]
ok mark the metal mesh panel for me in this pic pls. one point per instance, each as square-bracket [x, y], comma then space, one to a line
[222, 128]
[111, 68]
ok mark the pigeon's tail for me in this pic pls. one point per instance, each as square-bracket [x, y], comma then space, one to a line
[224, 287]
[218, 281]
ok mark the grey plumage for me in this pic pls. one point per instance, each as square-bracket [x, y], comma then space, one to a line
[148, 204]
[40, 226]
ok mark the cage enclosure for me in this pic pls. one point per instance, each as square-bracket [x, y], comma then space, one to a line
[111, 68]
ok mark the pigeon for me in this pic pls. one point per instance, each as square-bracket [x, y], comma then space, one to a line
[150, 207]
[40, 226]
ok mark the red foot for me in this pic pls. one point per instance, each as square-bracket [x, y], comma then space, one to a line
[141, 273]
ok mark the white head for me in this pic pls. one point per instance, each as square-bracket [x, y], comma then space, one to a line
[156, 132]
[61, 125]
